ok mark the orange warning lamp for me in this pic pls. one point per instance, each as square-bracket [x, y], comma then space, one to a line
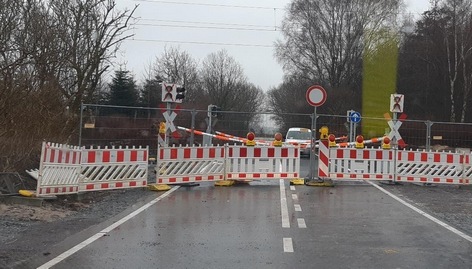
[359, 142]
[324, 132]
[250, 139]
[277, 140]
[162, 128]
[386, 142]
[332, 140]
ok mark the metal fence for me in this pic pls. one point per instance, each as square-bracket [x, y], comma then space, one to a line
[136, 126]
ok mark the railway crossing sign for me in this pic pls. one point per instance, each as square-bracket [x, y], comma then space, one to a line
[396, 103]
[170, 120]
[394, 125]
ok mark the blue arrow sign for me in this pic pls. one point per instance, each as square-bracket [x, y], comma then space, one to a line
[355, 117]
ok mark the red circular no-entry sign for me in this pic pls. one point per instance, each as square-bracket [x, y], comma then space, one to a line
[316, 95]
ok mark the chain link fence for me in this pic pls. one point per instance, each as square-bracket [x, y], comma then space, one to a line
[136, 126]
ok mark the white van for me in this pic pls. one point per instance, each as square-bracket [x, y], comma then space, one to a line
[299, 137]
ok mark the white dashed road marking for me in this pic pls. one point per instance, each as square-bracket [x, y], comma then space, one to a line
[301, 223]
[288, 245]
[283, 205]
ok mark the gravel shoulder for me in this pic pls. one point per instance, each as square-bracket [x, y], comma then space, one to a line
[26, 231]
[450, 203]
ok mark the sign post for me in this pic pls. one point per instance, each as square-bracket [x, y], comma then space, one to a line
[315, 96]
[396, 107]
[353, 117]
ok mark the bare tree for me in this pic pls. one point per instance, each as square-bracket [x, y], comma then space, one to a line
[464, 47]
[226, 85]
[90, 34]
[466, 59]
[325, 39]
[456, 15]
[52, 55]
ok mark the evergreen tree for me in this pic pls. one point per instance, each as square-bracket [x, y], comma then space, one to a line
[151, 93]
[123, 89]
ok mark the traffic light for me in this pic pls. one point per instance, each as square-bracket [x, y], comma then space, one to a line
[180, 94]
[215, 110]
[168, 92]
[172, 93]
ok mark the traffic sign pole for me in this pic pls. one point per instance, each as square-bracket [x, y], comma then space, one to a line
[168, 124]
[312, 148]
[315, 96]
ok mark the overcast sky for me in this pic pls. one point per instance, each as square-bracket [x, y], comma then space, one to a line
[201, 27]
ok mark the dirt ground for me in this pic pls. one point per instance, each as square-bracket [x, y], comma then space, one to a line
[46, 213]
[26, 231]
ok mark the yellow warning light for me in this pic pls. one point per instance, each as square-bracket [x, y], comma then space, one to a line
[250, 139]
[162, 128]
[386, 142]
[332, 140]
[324, 132]
[359, 142]
[277, 140]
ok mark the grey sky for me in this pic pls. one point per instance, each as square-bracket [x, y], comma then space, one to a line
[192, 25]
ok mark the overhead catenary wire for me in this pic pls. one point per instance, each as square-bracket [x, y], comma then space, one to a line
[207, 4]
[202, 43]
[205, 27]
[206, 23]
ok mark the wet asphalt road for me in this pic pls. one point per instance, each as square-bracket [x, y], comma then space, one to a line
[269, 224]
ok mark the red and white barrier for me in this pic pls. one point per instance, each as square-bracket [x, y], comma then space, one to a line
[392, 165]
[323, 159]
[59, 169]
[263, 162]
[434, 167]
[66, 169]
[113, 168]
[197, 164]
[190, 164]
[349, 163]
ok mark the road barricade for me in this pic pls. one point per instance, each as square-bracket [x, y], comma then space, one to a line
[231, 162]
[65, 169]
[350, 163]
[59, 170]
[262, 162]
[113, 168]
[434, 167]
[402, 166]
[190, 164]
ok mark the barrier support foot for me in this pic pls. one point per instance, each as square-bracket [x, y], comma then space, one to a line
[297, 181]
[320, 183]
[224, 183]
[158, 187]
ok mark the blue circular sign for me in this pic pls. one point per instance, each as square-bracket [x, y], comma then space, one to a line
[355, 117]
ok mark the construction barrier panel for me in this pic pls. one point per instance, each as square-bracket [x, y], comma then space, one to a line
[59, 170]
[65, 169]
[190, 164]
[113, 168]
[395, 165]
[197, 164]
[350, 163]
[263, 162]
[434, 167]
